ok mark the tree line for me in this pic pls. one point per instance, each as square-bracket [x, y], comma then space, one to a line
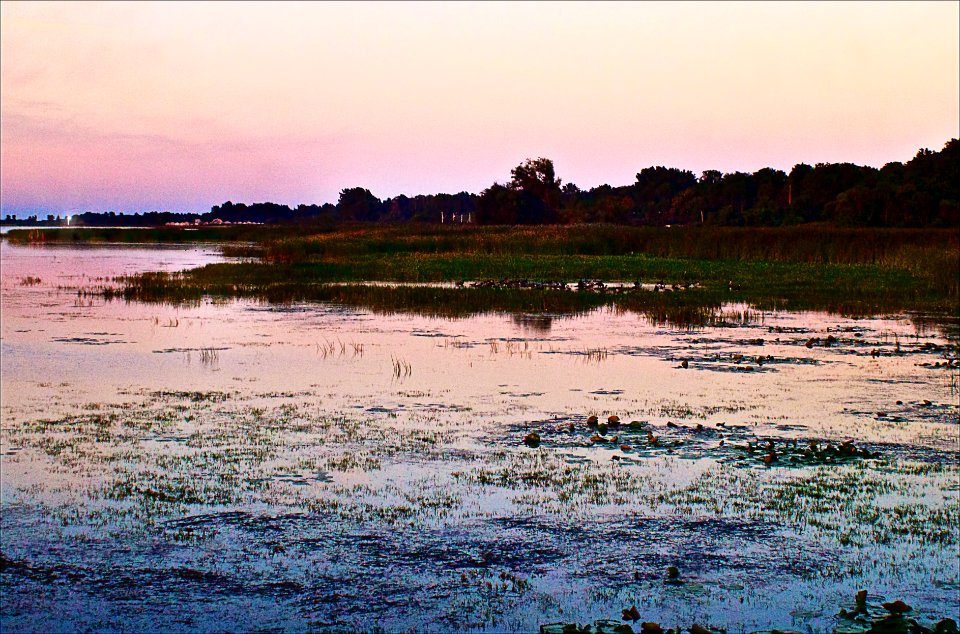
[924, 192]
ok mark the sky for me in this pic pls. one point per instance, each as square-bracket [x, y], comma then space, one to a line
[179, 106]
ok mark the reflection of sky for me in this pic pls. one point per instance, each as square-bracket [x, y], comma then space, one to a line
[309, 382]
[179, 106]
[511, 368]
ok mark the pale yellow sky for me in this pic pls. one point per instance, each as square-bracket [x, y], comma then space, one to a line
[166, 105]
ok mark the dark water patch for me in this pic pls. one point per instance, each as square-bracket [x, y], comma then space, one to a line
[357, 574]
[126, 583]
[699, 359]
[914, 453]
[347, 313]
[928, 412]
[212, 396]
[46, 573]
[435, 407]
[796, 330]
[407, 573]
[639, 548]
[908, 413]
[87, 341]
[189, 350]
[226, 518]
[789, 427]
[521, 394]
[294, 479]
[380, 409]
[272, 395]
[722, 367]
[904, 388]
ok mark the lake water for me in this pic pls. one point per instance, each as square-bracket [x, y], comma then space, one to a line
[236, 465]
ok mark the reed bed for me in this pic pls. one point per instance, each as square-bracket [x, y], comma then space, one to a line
[929, 258]
[847, 271]
[816, 244]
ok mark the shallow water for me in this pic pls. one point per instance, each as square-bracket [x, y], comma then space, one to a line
[235, 465]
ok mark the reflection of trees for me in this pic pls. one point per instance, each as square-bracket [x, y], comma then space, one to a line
[538, 323]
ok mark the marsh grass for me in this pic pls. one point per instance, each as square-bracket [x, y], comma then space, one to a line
[401, 368]
[846, 290]
[845, 271]
[209, 356]
[814, 244]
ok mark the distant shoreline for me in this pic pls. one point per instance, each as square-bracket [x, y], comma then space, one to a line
[922, 192]
[862, 271]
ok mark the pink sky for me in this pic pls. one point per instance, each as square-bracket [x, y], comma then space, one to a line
[180, 106]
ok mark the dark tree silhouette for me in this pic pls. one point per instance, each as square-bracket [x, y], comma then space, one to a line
[923, 192]
[539, 190]
[357, 203]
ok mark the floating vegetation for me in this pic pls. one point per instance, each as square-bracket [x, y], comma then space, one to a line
[601, 626]
[870, 613]
[866, 617]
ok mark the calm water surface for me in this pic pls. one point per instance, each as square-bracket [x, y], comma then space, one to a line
[235, 465]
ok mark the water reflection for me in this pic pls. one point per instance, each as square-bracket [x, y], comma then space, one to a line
[354, 470]
[533, 323]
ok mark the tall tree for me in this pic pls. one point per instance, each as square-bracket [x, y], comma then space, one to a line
[357, 203]
[539, 190]
[498, 205]
[655, 189]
